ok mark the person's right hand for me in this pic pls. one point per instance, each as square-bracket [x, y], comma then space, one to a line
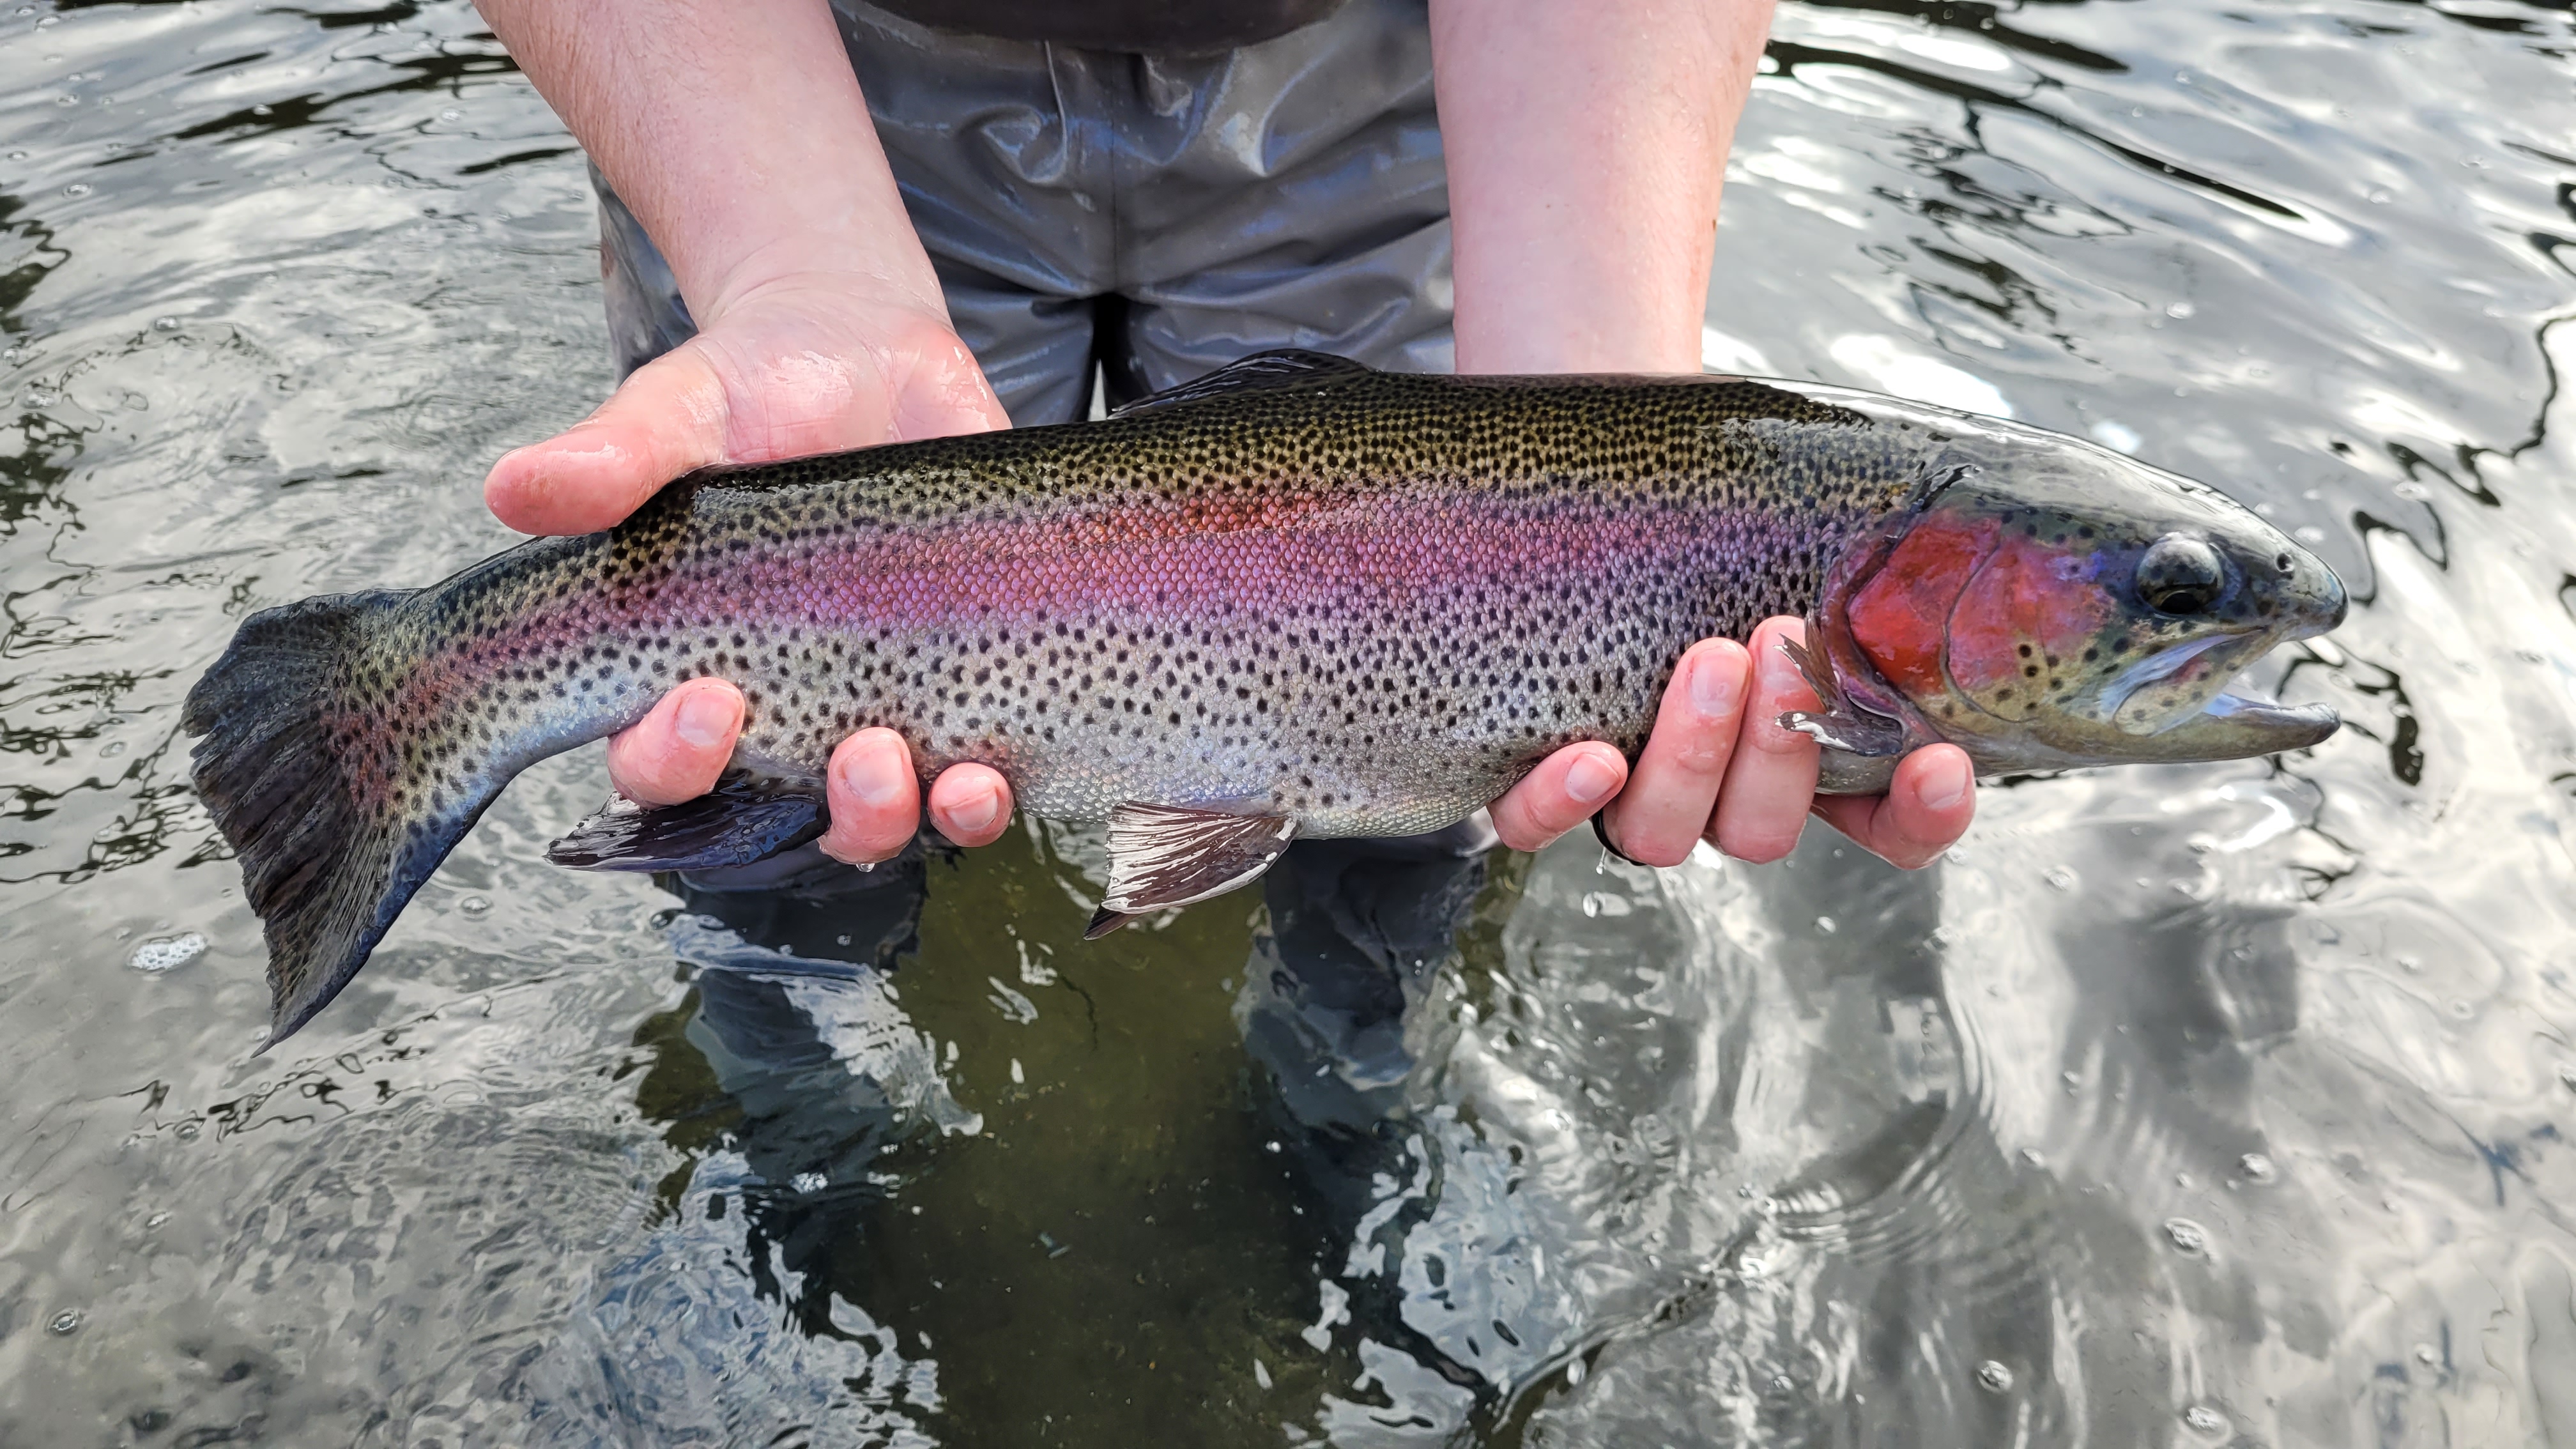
[809, 363]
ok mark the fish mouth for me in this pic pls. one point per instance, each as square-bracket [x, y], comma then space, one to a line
[2232, 724]
[2239, 726]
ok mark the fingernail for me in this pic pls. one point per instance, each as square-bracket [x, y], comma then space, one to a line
[706, 718]
[870, 777]
[1945, 783]
[973, 814]
[1780, 673]
[1715, 685]
[1590, 780]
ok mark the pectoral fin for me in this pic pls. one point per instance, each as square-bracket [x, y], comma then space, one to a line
[1161, 856]
[743, 819]
[1844, 723]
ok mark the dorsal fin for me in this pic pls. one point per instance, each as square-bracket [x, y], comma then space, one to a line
[1278, 370]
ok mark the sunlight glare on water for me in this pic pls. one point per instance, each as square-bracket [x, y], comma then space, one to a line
[2181, 1105]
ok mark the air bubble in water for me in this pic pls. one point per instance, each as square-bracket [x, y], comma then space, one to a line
[2187, 1235]
[2060, 877]
[156, 1220]
[1994, 1378]
[66, 1322]
[2179, 310]
[475, 905]
[809, 1182]
[1782, 1383]
[1825, 926]
[2204, 1420]
[451, 115]
[77, 188]
[165, 324]
[2257, 1167]
[165, 953]
[187, 1131]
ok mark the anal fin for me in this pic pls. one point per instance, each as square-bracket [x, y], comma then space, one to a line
[745, 818]
[1161, 856]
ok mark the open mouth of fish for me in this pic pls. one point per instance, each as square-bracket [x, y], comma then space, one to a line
[2194, 666]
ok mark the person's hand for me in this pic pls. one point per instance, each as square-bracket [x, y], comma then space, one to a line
[807, 364]
[1720, 767]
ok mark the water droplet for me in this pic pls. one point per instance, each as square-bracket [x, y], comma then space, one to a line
[1271, 1146]
[260, 111]
[165, 324]
[167, 953]
[2061, 878]
[1956, 855]
[809, 1182]
[67, 99]
[111, 749]
[1825, 926]
[2030, 1157]
[2183, 1180]
[1574, 1372]
[1994, 1378]
[187, 1131]
[2427, 1355]
[1592, 903]
[156, 1220]
[2381, 196]
[1782, 1383]
[1019, 1078]
[1261, 1373]
[1753, 1267]
[66, 1322]
[2567, 1078]
[475, 905]
[2410, 963]
[2179, 310]
[458, 116]
[2412, 491]
[2204, 1420]
[77, 188]
[2187, 1235]
[2257, 1167]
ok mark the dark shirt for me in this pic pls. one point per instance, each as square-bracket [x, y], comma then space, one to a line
[1183, 26]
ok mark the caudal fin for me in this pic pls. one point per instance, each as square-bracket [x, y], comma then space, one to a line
[305, 777]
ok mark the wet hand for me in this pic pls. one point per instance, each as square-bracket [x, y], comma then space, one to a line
[805, 364]
[1719, 766]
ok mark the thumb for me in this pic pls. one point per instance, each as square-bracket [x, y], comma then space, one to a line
[945, 394]
[671, 416]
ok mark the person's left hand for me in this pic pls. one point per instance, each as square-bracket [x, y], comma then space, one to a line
[1721, 767]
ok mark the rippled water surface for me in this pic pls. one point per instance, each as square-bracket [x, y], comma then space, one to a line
[2215, 1105]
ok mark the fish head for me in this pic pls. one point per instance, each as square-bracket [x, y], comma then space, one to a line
[2050, 603]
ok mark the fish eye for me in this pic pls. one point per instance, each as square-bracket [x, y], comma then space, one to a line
[2180, 574]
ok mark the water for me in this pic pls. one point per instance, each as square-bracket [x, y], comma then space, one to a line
[2224, 1104]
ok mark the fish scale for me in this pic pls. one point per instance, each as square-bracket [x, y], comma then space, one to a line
[1298, 593]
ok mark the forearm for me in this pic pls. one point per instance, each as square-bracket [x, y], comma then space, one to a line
[733, 128]
[1586, 146]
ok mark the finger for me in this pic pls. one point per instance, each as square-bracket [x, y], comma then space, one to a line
[1559, 795]
[668, 418]
[1673, 790]
[874, 798]
[946, 395]
[1772, 778]
[1924, 812]
[971, 804]
[676, 752]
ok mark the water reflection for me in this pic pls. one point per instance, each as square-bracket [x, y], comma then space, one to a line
[2202, 1106]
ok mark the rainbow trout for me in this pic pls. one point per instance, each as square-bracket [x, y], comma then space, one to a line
[1294, 598]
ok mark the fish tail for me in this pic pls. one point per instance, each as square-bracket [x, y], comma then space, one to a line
[321, 799]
